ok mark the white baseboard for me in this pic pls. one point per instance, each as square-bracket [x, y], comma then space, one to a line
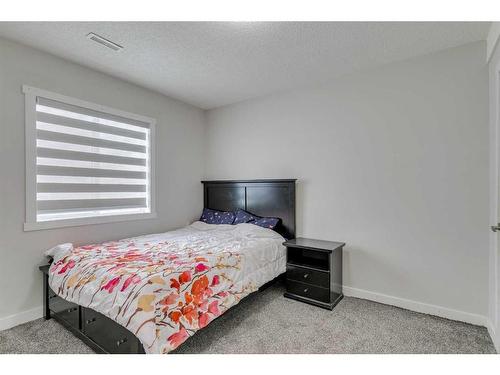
[420, 307]
[20, 318]
[493, 334]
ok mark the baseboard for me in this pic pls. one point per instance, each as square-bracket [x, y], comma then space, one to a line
[493, 334]
[20, 318]
[420, 307]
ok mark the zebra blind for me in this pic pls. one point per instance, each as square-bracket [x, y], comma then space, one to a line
[90, 163]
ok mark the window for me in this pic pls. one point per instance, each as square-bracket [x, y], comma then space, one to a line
[85, 163]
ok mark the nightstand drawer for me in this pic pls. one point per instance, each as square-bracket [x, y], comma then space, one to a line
[309, 276]
[308, 291]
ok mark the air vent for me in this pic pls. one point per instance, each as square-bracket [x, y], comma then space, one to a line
[105, 42]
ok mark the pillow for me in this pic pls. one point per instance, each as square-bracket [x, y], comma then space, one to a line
[210, 216]
[267, 222]
[243, 216]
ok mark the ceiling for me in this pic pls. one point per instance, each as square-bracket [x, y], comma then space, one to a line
[211, 64]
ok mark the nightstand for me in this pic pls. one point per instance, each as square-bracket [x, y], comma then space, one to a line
[314, 271]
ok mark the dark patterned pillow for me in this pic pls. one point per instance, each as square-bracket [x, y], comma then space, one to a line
[210, 216]
[267, 222]
[243, 217]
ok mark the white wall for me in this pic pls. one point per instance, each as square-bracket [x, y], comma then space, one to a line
[494, 260]
[394, 162]
[180, 133]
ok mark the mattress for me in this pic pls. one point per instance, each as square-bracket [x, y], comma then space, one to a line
[164, 287]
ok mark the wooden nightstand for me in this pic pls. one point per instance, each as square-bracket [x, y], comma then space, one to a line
[314, 271]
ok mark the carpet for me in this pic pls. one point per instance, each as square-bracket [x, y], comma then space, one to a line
[266, 322]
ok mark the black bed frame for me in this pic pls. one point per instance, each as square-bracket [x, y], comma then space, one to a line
[271, 198]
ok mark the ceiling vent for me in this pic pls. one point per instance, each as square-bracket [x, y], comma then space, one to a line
[105, 42]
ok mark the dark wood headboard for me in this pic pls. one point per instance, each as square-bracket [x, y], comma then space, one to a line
[272, 198]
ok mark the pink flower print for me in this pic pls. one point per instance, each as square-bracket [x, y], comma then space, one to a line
[203, 320]
[69, 265]
[215, 280]
[178, 338]
[111, 284]
[132, 279]
[200, 267]
[214, 308]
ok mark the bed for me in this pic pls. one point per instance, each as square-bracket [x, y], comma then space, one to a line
[149, 294]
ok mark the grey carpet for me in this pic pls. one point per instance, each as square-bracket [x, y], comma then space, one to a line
[266, 322]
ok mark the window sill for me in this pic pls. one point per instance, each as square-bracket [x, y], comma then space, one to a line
[86, 221]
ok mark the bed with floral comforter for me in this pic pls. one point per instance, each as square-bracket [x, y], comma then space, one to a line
[164, 287]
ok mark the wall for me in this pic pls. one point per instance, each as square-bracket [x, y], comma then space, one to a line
[180, 133]
[394, 162]
[494, 258]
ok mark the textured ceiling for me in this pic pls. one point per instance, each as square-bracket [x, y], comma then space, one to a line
[210, 64]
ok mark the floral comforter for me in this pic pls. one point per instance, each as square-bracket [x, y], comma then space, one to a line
[165, 287]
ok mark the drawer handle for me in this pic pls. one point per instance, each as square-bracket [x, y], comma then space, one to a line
[72, 309]
[122, 341]
[306, 290]
[90, 320]
[306, 275]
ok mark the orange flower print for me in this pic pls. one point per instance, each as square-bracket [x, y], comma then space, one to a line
[164, 292]
[190, 312]
[175, 316]
[178, 338]
[199, 285]
[175, 284]
[200, 290]
[185, 277]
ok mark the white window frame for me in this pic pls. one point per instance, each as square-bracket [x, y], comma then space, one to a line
[31, 93]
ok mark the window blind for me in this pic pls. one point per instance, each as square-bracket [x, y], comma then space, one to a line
[89, 163]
